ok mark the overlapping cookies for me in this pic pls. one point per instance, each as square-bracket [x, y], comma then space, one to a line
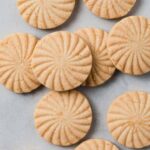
[102, 67]
[62, 61]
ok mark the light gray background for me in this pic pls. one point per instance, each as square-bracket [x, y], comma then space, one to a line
[16, 111]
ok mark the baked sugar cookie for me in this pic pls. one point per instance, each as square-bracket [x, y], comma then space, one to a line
[129, 45]
[15, 63]
[129, 119]
[110, 9]
[96, 144]
[62, 61]
[63, 118]
[103, 67]
[45, 14]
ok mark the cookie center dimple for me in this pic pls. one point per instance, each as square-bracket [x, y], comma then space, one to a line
[136, 121]
[21, 64]
[136, 45]
[64, 117]
[61, 61]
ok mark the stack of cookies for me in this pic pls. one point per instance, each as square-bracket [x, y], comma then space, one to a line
[63, 61]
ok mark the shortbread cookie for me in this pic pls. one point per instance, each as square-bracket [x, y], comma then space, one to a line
[63, 118]
[62, 61]
[45, 14]
[129, 45]
[96, 144]
[110, 9]
[129, 119]
[103, 67]
[15, 63]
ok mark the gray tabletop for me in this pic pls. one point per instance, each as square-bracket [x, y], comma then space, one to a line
[16, 111]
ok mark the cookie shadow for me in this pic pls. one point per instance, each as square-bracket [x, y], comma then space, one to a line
[135, 9]
[110, 81]
[40, 89]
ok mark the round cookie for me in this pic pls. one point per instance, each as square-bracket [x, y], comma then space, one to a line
[63, 118]
[102, 68]
[129, 119]
[62, 61]
[45, 14]
[128, 45]
[96, 144]
[15, 63]
[110, 9]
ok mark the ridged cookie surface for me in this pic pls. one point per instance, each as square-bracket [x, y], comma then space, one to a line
[96, 144]
[62, 61]
[129, 45]
[102, 68]
[15, 63]
[110, 9]
[45, 14]
[129, 119]
[63, 118]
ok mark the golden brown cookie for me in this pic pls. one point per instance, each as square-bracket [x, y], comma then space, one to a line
[102, 68]
[96, 144]
[15, 63]
[129, 119]
[128, 45]
[45, 14]
[62, 61]
[110, 9]
[63, 118]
